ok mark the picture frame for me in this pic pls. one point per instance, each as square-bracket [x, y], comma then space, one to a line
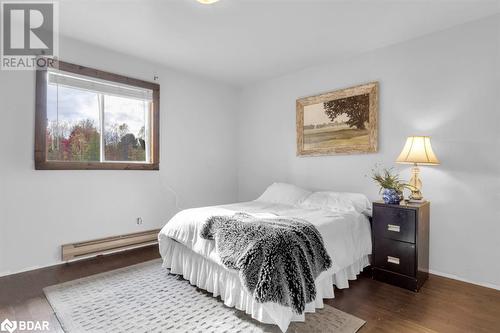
[343, 121]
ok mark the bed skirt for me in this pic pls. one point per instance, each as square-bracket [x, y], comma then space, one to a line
[225, 283]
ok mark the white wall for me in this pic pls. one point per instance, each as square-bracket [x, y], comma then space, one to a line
[218, 145]
[40, 210]
[445, 85]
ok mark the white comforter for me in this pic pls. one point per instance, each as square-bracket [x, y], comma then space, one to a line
[346, 233]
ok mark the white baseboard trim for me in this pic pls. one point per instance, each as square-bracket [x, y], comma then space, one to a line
[32, 268]
[458, 278]
[2, 274]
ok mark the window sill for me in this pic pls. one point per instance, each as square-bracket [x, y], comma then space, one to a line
[53, 165]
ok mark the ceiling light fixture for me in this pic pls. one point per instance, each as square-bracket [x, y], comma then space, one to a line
[207, 2]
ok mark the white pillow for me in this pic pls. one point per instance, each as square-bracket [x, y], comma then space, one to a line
[359, 201]
[282, 193]
[338, 201]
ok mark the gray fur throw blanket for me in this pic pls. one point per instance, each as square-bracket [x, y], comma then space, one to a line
[278, 258]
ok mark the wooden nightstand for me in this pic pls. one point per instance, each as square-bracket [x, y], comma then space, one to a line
[401, 244]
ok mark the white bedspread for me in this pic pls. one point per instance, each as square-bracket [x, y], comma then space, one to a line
[346, 235]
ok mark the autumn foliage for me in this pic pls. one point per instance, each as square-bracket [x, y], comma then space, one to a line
[81, 141]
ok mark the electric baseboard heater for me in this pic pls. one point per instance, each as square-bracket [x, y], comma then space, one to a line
[109, 244]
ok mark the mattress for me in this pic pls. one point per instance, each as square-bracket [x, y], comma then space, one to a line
[346, 236]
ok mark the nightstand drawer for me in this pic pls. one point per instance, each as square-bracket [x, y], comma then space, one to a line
[395, 256]
[394, 223]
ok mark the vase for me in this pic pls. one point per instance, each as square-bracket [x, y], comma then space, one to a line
[391, 196]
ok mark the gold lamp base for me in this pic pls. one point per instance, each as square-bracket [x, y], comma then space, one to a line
[416, 183]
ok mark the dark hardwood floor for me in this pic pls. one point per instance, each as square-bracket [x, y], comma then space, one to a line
[442, 305]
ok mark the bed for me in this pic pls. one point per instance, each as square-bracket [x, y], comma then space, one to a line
[343, 224]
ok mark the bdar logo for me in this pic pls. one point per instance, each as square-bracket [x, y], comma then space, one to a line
[8, 326]
[24, 325]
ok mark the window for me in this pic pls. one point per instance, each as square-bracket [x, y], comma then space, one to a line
[90, 119]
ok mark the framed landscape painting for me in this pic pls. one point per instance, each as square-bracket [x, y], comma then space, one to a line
[339, 122]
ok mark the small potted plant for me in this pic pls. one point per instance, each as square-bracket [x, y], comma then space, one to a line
[391, 186]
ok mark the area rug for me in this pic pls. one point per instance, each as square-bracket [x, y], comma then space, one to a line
[146, 298]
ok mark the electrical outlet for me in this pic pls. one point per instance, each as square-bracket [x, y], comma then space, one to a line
[139, 220]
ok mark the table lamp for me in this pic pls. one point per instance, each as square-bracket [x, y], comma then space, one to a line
[417, 150]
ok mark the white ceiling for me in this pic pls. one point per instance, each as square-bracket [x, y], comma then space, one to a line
[241, 42]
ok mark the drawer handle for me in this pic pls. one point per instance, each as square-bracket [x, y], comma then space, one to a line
[393, 260]
[393, 227]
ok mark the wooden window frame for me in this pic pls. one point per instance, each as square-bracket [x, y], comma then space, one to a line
[41, 162]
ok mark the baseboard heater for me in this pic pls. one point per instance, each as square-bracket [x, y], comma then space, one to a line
[109, 244]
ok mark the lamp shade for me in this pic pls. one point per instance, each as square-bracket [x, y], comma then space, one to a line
[418, 150]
